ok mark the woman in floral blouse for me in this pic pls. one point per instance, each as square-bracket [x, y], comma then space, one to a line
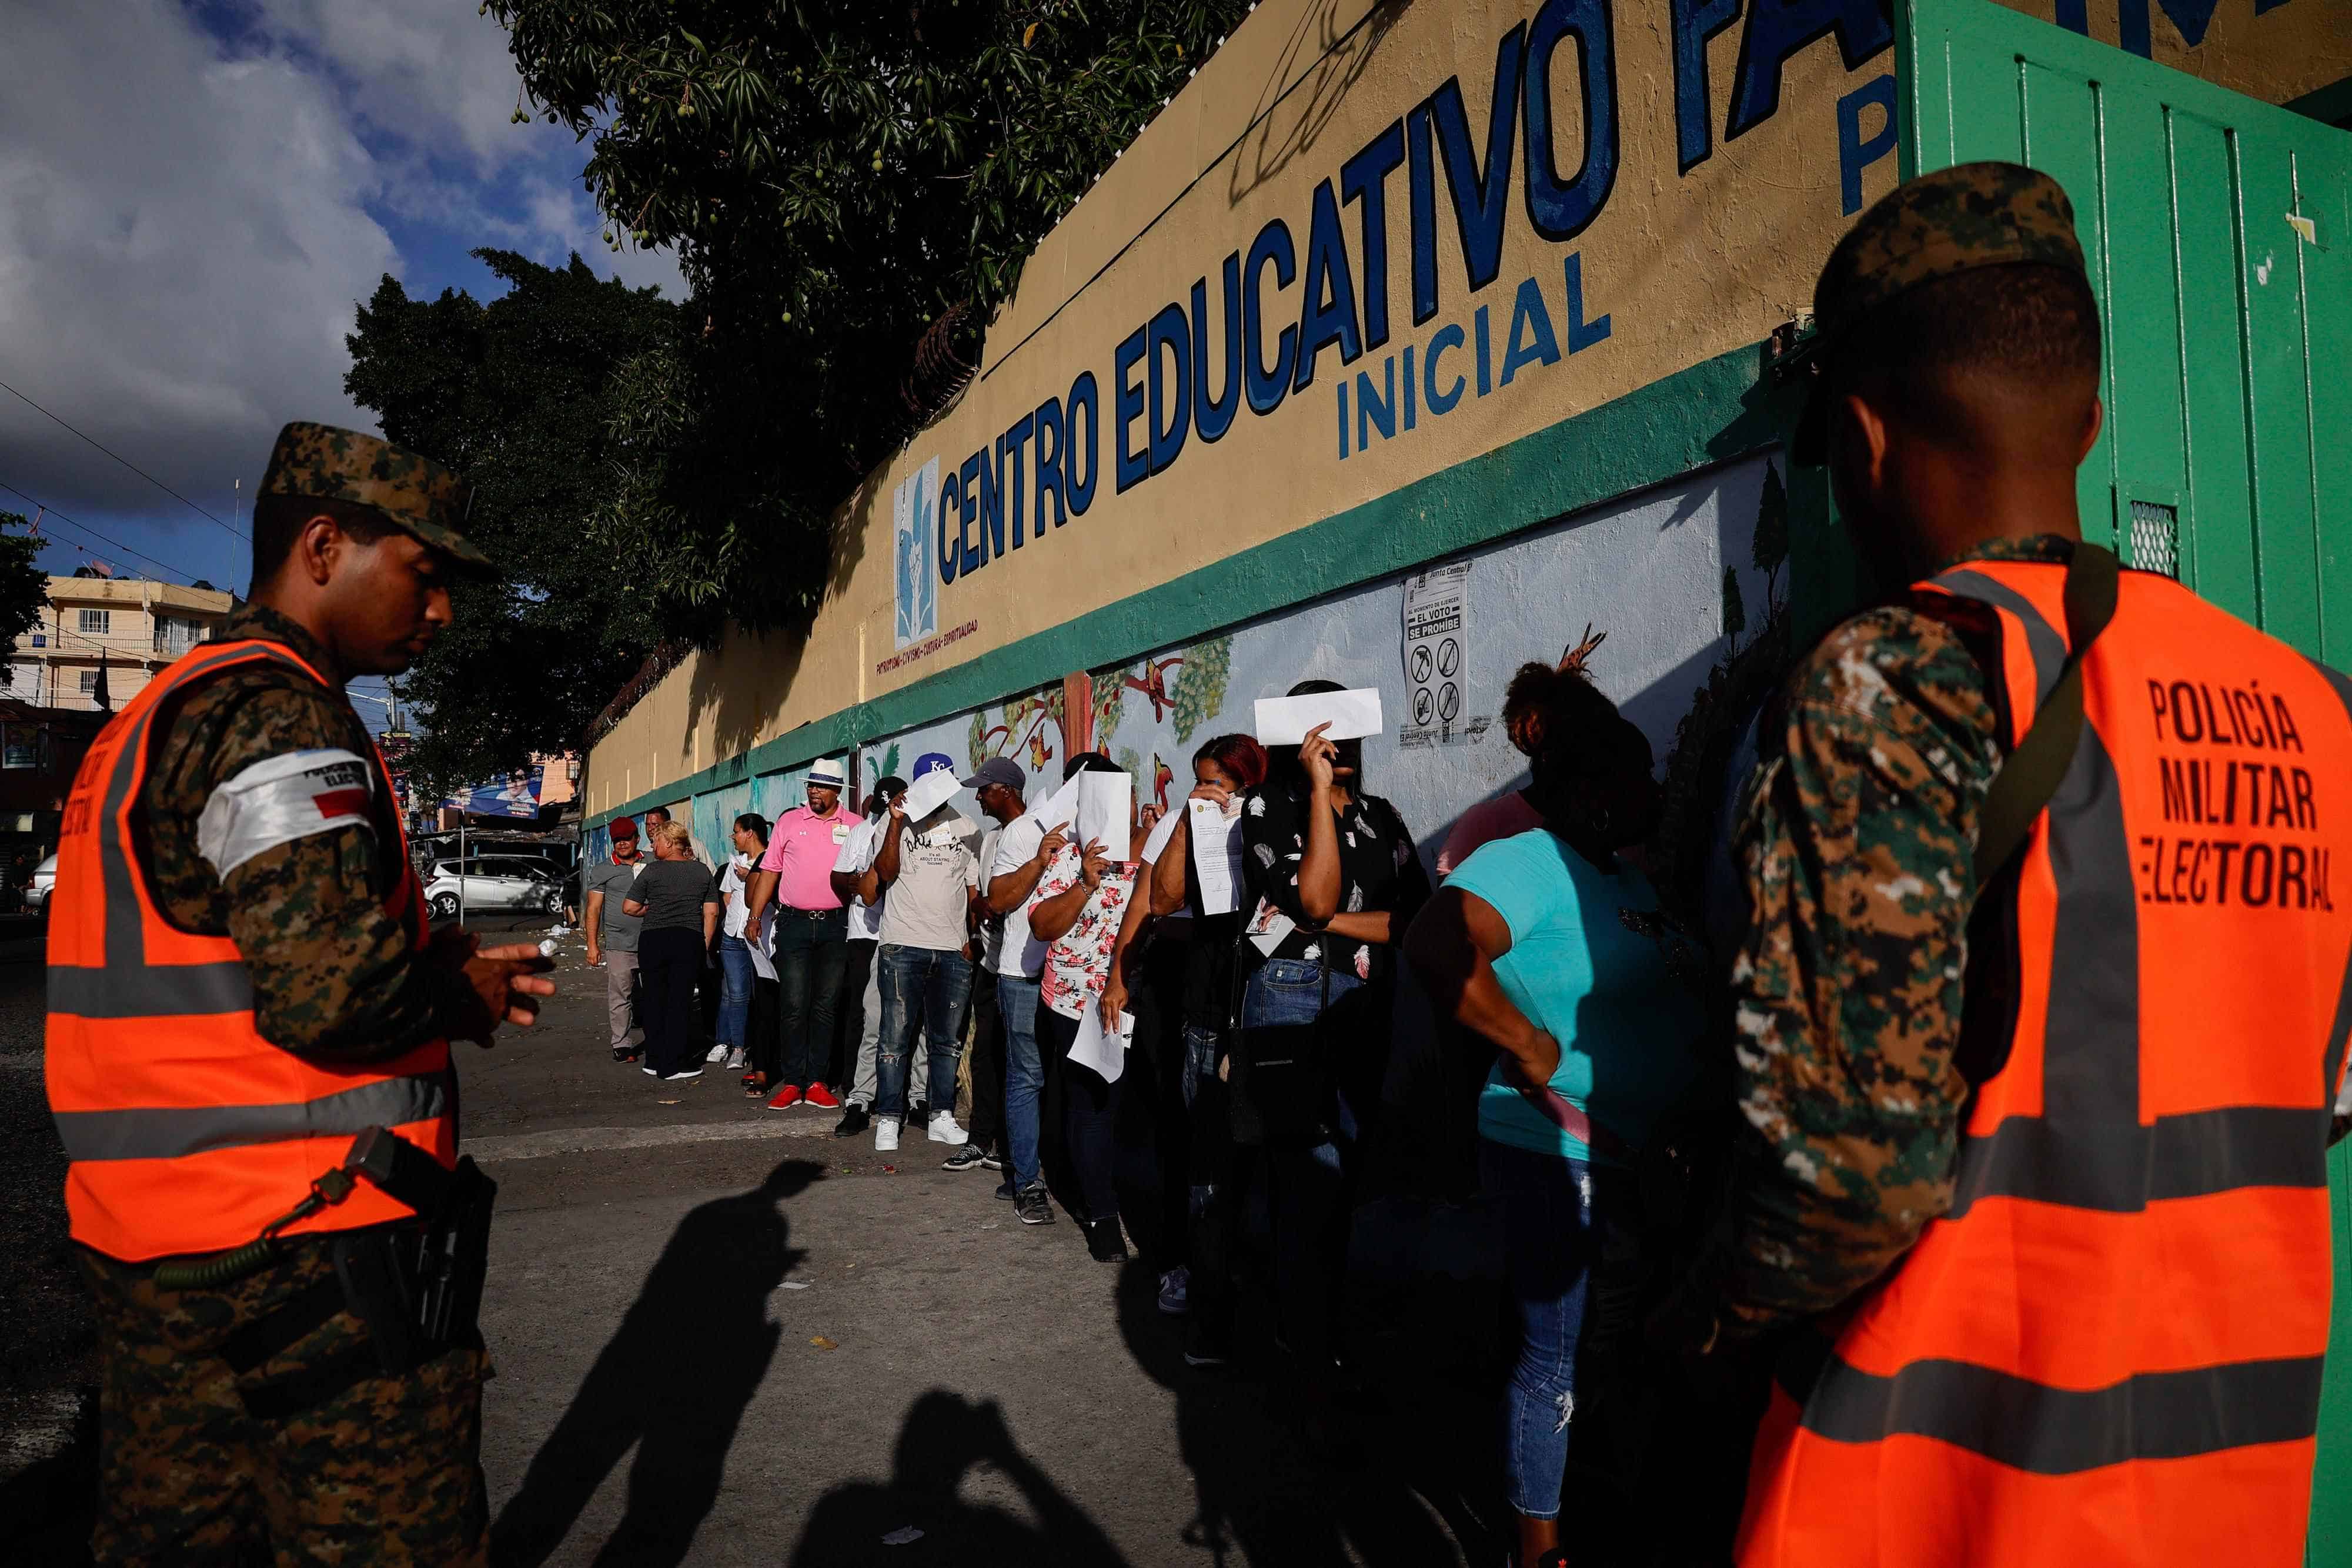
[1078, 907]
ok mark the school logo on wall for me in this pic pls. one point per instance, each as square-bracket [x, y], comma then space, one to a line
[912, 506]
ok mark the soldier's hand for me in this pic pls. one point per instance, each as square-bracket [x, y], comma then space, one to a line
[502, 984]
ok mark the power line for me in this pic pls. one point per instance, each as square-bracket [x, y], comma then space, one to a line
[126, 462]
[50, 511]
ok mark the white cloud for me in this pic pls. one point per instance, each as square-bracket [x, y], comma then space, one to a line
[185, 226]
[181, 241]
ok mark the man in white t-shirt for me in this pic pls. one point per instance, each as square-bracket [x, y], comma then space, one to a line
[932, 870]
[1024, 847]
[998, 784]
[858, 1012]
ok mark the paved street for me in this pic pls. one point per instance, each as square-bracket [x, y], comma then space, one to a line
[723, 1336]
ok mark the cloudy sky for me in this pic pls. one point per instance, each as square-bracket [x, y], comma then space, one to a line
[193, 198]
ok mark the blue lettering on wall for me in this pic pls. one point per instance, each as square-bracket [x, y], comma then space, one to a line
[1695, 22]
[1363, 180]
[1486, 352]
[1127, 408]
[1440, 402]
[992, 503]
[1212, 416]
[1268, 385]
[950, 507]
[1378, 407]
[1049, 462]
[1581, 334]
[1481, 200]
[1082, 398]
[1562, 210]
[1855, 153]
[1008, 452]
[1530, 340]
[1328, 312]
[966, 514]
[1171, 389]
[1420, 185]
[1779, 28]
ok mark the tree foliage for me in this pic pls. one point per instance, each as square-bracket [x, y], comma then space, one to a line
[24, 586]
[531, 398]
[851, 186]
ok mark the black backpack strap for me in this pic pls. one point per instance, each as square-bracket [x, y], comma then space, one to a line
[2028, 778]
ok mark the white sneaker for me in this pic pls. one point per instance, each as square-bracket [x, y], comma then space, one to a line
[735, 1061]
[943, 1128]
[684, 1076]
[885, 1133]
[717, 1053]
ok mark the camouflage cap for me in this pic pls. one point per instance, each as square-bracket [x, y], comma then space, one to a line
[1955, 220]
[320, 462]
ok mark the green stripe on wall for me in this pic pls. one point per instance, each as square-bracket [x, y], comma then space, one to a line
[1713, 411]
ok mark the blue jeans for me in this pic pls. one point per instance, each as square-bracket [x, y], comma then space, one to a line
[735, 978]
[1025, 1076]
[919, 986]
[1310, 1191]
[1556, 1216]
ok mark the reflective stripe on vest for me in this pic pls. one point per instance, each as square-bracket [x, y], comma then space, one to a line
[2135, 1268]
[185, 1130]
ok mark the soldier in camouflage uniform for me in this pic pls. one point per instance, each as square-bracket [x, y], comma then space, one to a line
[1858, 827]
[354, 544]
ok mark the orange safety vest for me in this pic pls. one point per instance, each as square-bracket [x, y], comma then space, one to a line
[2108, 1350]
[187, 1132]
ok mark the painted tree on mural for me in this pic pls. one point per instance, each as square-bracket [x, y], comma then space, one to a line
[1025, 731]
[1199, 695]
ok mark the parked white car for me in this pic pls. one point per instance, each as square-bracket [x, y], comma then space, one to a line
[494, 882]
[44, 881]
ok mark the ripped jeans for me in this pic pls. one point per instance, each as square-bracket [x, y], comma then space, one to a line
[1553, 1232]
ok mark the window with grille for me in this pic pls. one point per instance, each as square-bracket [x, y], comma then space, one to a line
[100, 622]
[90, 682]
[2156, 537]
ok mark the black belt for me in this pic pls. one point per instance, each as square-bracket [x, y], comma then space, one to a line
[783, 909]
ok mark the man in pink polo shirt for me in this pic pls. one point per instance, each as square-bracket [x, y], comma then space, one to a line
[811, 937]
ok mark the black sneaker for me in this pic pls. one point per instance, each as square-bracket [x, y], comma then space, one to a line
[1106, 1242]
[920, 1114]
[853, 1121]
[993, 1160]
[965, 1158]
[1032, 1206]
[1205, 1345]
[1005, 1190]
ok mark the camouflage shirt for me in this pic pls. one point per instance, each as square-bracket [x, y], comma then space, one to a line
[1855, 843]
[334, 975]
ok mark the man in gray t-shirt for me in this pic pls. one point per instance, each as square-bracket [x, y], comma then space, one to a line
[613, 932]
[931, 870]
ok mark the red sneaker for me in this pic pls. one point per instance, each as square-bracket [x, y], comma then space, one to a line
[785, 1099]
[822, 1098]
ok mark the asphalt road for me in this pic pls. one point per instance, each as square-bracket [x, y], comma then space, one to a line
[723, 1336]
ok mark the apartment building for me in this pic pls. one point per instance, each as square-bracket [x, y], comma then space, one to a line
[134, 627]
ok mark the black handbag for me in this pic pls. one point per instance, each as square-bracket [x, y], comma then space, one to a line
[1283, 1092]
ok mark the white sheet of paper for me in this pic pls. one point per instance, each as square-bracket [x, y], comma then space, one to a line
[1268, 927]
[1105, 808]
[1104, 1052]
[930, 792]
[1060, 809]
[1216, 855]
[1284, 721]
[763, 939]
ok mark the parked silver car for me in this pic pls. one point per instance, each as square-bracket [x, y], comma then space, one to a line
[44, 881]
[494, 882]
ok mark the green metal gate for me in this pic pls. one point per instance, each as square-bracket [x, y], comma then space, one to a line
[2219, 233]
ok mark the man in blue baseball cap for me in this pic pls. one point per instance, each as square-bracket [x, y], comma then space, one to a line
[927, 860]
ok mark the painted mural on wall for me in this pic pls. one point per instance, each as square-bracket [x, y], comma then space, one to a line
[1703, 560]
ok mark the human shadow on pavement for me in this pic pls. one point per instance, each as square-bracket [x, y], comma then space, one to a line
[943, 1439]
[674, 1380]
[1414, 1496]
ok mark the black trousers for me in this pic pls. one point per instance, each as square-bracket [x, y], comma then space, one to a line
[1156, 1107]
[987, 1064]
[1090, 1109]
[668, 962]
[811, 953]
[850, 1014]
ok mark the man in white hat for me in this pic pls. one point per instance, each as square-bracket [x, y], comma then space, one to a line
[812, 939]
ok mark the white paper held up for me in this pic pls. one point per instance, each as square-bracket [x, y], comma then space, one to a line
[1097, 1048]
[930, 792]
[1352, 715]
[1216, 837]
[1059, 809]
[1106, 809]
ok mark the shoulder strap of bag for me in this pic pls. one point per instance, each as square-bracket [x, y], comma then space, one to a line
[2028, 778]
